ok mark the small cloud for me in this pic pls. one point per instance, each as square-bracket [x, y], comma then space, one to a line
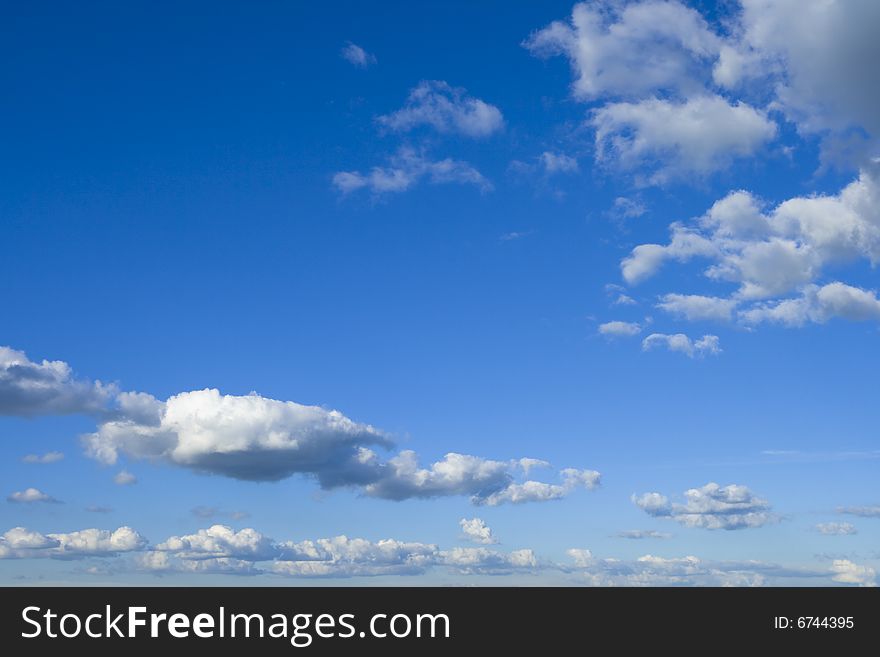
[357, 56]
[637, 534]
[515, 235]
[48, 457]
[618, 329]
[31, 495]
[836, 529]
[124, 478]
[708, 344]
[627, 208]
[558, 163]
[477, 531]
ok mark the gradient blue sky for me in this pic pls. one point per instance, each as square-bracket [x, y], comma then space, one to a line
[173, 219]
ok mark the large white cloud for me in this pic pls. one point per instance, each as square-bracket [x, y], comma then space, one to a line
[631, 50]
[663, 140]
[29, 388]
[647, 68]
[446, 109]
[710, 507]
[819, 56]
[260, 439]
[406, 168]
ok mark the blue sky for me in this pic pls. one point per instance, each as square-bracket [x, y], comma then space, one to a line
[633, 240]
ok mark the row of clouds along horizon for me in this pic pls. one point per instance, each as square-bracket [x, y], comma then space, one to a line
[222, 550]
[259, 439]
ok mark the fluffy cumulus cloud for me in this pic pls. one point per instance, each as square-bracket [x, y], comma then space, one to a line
[357, 56]
[710, 507]
[484, 561]
[255, 438]
[477, 531]
[681, 343]
[665, 140]
[617, 328]
[406, 168]
[647, 69]
[246, 437]
[31, 495]
[21, 543]
[220, 541]
[29, 388]
[818, 56]
[695, 307]
[652, 63]
[847, 572]
[771, 254]
[631, 50]
[344, 557]
[539, 491]
[446, 109]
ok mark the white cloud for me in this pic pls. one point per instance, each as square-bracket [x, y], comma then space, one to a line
[124, 478]
[818, 304]
[48, 457]
[247, 437]
[637, 534]
[695, 307]
[847, 572]
[344, 557]
[679, 342]
[819, 57]
[836, 529]
[631, 50]
[477, 531]
[618, 328]
[406, 169]
[221, 541]
[539, 491]
[31, 495]
[357, 56]
[21, 543]
[710, 507]
[483, 561]
[678, 139]
[628, 208]
[446, 109]
[255, 438]
[771, 253]
[558, 163]
[28, 388]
